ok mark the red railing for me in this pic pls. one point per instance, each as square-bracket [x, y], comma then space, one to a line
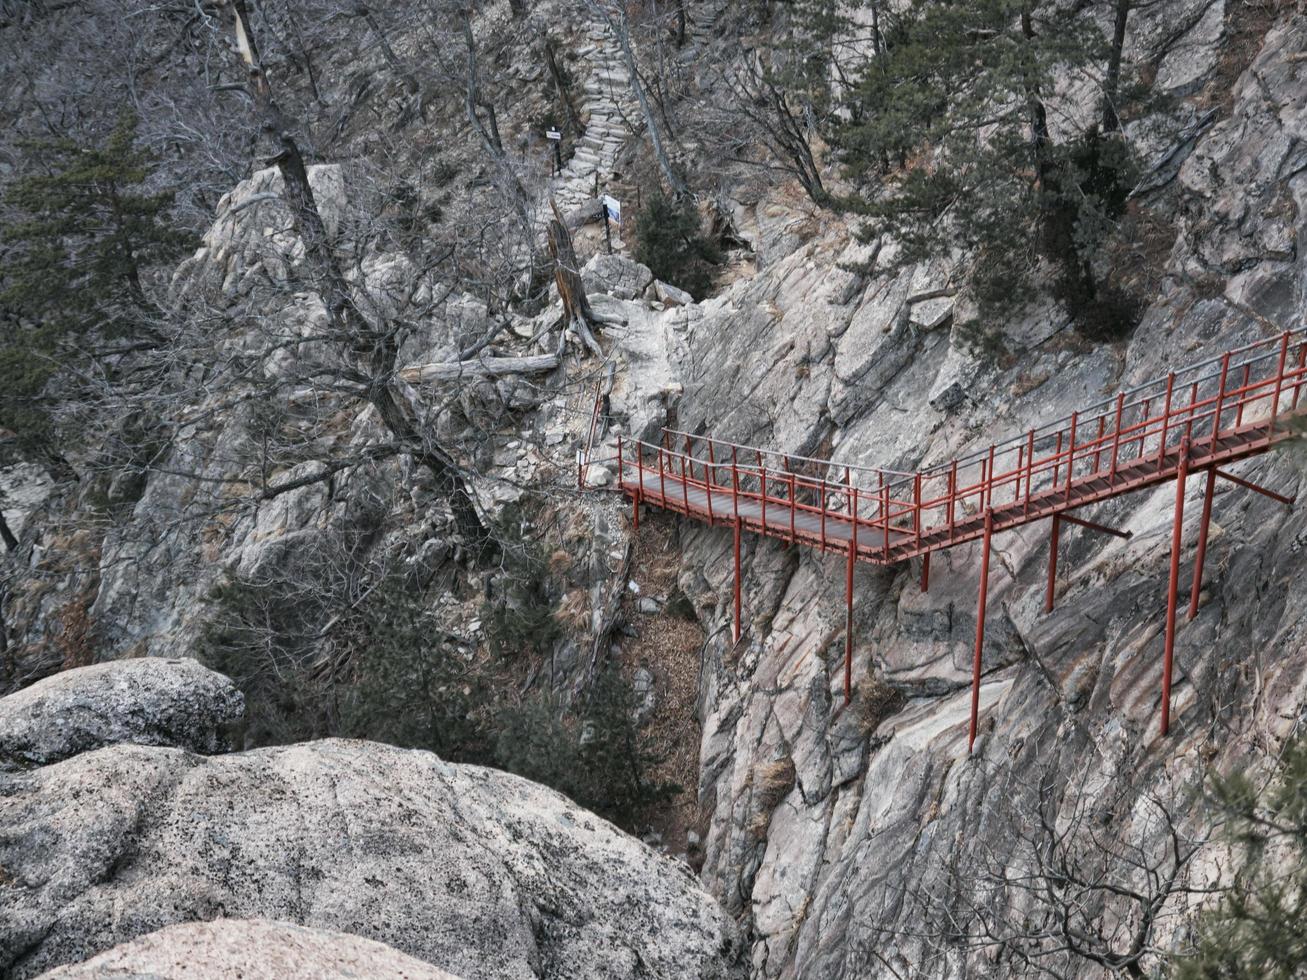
[1220, 409]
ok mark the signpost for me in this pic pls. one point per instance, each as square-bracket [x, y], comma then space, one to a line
[612, 212]
[555, 137]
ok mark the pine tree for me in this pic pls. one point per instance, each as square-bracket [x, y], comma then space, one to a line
[670, 244]
[81, 237]
[949, 137]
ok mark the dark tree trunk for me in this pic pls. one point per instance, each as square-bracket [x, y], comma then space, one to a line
[1112, 78]
[567, 275]
[6, 535]
[374, 351]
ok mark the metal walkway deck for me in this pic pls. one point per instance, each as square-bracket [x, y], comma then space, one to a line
[1200, 418]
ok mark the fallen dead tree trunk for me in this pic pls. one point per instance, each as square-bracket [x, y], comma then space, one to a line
[482, 367]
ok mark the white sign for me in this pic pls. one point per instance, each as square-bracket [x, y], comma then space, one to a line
[613, 208]
[553, 134]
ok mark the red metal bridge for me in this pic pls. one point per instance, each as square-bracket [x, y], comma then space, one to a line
[1197, 419]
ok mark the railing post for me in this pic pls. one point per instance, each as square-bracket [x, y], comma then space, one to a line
[662, 479]
[1193, 407]
[762, 489]
[822, 498]
[1166, 423]
[1057, 461]
[735, 486]
[1243, 394]
[1302, 363]
[1030, 469]
[916, 507]
[1279, 384]
[1144, 416]
[987, 491]
[1071, 455]
[952, 497]
[708, 484]
[884, 512]
[639, 464]
[789, 472]
[1220, 403]
[1116, 437]
[1021, 471]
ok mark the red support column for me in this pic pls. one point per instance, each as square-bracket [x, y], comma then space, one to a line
[1052, 562]
[635, 511]
[980, 630]
[1208, 491]
[848, 599]
[737, 580]
[1176, 533]
[925, 572]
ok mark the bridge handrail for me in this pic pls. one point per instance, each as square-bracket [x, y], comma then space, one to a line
[1043, 459]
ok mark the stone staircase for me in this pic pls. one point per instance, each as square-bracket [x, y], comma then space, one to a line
[609, 112]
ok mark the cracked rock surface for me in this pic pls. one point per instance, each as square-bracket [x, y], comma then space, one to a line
[253, 949]
[475, 871]
[149, 701]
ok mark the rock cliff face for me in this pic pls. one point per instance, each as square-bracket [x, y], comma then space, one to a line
[861, 841]
[855, 842]
[473, 870]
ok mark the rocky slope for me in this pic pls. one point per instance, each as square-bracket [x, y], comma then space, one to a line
[861, 842]
[251, 948]
[473, 870]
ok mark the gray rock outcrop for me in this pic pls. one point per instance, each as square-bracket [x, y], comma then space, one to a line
[254, 949]
[150, 701]
[476, 871]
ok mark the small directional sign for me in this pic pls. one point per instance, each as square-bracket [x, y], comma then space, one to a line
[613, 208]
[553, 134]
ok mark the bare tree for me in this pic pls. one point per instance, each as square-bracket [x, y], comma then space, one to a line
[1065, 876]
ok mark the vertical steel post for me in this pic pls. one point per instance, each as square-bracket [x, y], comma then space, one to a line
[1116, 437]
[925, 572]
[737, 580]
[1220, 403]
[952, 496]
[1030, 469]
[1052, 562]
[1279, 384]
[639, 465]
[1243, 394]
[822, 498]
[735, 487]
[1177, 532]
[987, 494]
[916, 507]
[793, 535]
[1098, 442]
[1071, 455]
[662, 478]
[1201, 557]
[762, 489]
[848, 600]
[1057, 460]
[1166, 423]
[884, 512]
[980, 630]
[1302, 362]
